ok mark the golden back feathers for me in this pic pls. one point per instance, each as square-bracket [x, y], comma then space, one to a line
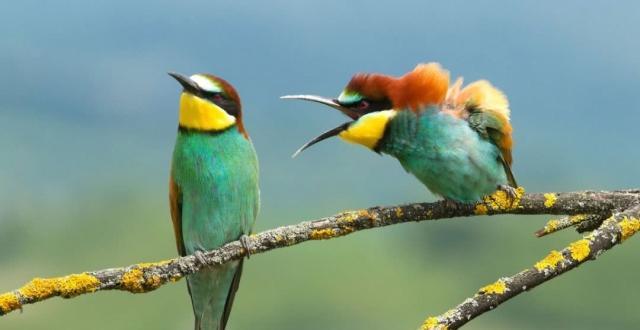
[483, 99]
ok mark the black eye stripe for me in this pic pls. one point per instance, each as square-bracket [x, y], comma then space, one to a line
[351, 104]
[228, 105]
[211, 95]
[367, 105]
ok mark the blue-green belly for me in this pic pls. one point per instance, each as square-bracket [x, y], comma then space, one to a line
[445, 154]
[218, 177]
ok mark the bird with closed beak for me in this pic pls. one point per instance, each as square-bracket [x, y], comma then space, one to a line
[213, 190]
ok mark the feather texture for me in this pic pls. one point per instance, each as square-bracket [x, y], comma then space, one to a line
[426, 85]
[487, 110]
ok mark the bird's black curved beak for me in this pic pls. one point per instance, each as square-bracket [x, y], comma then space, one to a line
[328, 102]
[186, 82]
[330, 133]
[349, 112]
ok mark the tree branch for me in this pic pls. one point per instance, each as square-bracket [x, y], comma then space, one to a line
[612, 232]
[146, 277]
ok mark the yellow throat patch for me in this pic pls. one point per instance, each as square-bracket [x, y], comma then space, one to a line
[368, 129]
[200, 114]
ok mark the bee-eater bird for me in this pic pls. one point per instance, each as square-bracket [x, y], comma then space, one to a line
[457, 142]
[213, 190]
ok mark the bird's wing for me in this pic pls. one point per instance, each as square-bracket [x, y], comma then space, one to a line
[175, 202]
[232, 294]
[486, 109]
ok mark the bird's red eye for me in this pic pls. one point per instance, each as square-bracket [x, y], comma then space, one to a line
[217, 97]
[363, 105]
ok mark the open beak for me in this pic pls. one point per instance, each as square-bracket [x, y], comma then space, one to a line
[186, 82]
[326, 101]
[323, 136]
[332, 132]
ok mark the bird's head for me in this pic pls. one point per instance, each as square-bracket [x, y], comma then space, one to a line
[372, 100]
[208, 103]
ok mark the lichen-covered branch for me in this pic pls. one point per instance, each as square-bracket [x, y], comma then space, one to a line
[613, 231]
[578, 221]
[146, 277]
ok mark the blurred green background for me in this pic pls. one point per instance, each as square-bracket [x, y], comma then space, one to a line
[88, 119]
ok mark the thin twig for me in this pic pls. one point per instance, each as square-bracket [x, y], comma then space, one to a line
[567, 221]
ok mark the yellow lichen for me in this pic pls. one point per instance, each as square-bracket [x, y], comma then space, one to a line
[578, 218]
[43, 288]
[145, 265]
[629, 226]
[66, 286]
[349, 217]
[550, 199]
[431, 323]
[481, 209]
[551, 226]
[9, 302]
[550, 261]
[399, 212]
[365, 214]
[499, 287]
[328, 233]
[579, 249]
[76, 284]
[500, 201]
[155, 281]
[133, 279]
[39, 288]
[372, 216]
[322, 233]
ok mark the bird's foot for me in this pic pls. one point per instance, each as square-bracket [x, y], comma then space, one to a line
[512, 193]
[509, 190]
[199, 254]
[246, 244]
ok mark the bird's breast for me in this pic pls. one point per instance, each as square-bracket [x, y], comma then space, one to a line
[218, 177]
[445, 154]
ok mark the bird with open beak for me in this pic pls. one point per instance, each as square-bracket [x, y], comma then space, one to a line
[456, 141]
